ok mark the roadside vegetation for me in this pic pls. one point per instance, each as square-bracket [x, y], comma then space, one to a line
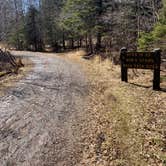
[9, 63]
[12, 69]
[127, 121]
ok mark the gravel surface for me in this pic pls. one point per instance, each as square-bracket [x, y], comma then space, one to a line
[41, 118]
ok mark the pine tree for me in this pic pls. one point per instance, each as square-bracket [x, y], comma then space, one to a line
[84, 18]
[49, 11]
[32, 30]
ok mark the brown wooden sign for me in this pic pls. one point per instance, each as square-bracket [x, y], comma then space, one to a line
[141, 60]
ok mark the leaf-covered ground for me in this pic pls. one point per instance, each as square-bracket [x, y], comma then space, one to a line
[128, 121]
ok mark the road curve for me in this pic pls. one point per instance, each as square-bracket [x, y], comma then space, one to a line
[40, 118]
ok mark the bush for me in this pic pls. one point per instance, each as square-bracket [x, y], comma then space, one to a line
[159, 31]
[145, 40]
[148, 40]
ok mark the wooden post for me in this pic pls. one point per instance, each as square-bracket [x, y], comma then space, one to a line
[156, 77]
[123, 69]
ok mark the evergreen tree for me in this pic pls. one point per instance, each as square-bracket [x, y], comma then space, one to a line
[95, 24]
[84, 18]
[32, 30]
[50, 10]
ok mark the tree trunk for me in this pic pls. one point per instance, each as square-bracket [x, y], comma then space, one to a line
[99, 33]
[63, 41]
[16, 22]
[72, 43]
[80, 45]
[98, 44]
[86, 42]
[90, 44]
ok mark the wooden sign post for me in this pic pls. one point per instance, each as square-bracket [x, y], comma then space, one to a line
[141, 60]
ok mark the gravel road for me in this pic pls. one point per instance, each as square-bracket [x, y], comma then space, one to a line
[41, 118]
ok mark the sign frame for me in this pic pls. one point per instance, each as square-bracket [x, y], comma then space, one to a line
[141, 60]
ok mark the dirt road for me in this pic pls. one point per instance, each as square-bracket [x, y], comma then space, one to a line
[41, 118]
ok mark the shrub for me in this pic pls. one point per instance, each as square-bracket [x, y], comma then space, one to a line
[145, 40]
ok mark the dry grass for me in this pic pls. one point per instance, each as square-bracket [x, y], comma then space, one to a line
[128, 122]
[9, 80]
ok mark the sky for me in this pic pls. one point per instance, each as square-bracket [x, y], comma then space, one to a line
[30, 2]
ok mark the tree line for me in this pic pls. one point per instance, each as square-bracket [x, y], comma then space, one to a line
[97, 25]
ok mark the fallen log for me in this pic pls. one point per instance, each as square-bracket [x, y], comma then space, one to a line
[9, 63]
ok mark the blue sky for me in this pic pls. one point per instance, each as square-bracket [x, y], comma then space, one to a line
[30, 2]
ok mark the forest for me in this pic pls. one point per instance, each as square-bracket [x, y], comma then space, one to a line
[96, 25]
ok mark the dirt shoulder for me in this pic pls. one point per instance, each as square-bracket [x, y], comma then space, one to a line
[128, 121]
